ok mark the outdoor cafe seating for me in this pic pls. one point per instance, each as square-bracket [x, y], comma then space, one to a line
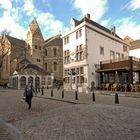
[120, 87]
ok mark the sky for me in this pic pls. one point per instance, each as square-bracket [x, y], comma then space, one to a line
[53, 16]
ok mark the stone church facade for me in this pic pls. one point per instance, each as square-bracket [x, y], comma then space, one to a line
[53, 57]
[28, 57]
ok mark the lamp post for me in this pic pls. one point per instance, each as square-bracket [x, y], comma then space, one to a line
[52, 77]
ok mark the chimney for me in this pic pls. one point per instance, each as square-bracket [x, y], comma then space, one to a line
[113, 30]
[87, 16]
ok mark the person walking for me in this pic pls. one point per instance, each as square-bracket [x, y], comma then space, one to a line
[28, 93]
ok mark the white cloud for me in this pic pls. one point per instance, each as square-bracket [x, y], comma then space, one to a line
[7, 22]
[6, 4]
[132, 5]
[96, 8]
[127, 26]
[135, 52]
[51, 25]
[48, 22]
[29, 7]
[105, 22]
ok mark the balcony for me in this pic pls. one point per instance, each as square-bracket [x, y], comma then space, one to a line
[125, 64]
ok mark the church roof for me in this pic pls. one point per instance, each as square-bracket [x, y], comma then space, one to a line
[16, 41]
[34, 28]
[24, 60]
[37, 68]
[54, 41]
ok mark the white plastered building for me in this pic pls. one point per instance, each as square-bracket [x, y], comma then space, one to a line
[84, 46]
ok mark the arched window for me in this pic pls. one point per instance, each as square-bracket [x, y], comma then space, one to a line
[22, 82]
[54, 66]
[54, 51]
[46, 53]
[46, 66]
[28, 46]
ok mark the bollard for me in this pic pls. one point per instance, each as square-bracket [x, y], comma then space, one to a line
[93, 97]
[116, 98]
[42, 90]
[52, 93]
[62, 93]
[76, 95]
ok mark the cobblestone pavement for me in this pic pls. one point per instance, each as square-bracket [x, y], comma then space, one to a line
[101, 97]
[55, 120]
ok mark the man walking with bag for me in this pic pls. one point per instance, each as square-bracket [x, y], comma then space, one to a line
[28, 93]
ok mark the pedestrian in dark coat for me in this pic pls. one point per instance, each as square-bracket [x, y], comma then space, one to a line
[28, 94]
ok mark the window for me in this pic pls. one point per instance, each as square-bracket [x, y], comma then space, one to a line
[112, 55]
[54, 51]
[81, 70]
[66, 40]
[43, 81]
[28, 46]
[79, 53]
[54, 66]
[77, 71]
[101, 50]
[39, 47]
[46, 66]
[35, 46]
[66, 56]
[118, 56]
[38, 60]
[122, 56]
[78, 33]
[124, 48]
[46, 53]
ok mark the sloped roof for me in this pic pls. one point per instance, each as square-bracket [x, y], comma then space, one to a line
[135, 44]
[54, 41]
[96, 25]
[77, 22]
[16, 41]
[37, 68]
[24, 60]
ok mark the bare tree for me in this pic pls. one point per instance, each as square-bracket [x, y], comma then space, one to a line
[5, 32]
[3, 50]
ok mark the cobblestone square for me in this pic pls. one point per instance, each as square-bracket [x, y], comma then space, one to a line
[57, 120]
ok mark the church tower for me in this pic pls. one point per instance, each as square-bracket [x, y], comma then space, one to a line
[34, 44]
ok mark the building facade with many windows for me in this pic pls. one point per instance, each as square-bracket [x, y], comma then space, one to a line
[53, 57]
[84, 46]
